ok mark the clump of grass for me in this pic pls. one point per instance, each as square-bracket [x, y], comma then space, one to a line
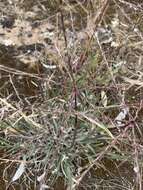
[85, 120]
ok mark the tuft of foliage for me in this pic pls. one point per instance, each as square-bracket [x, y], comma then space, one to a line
[71, 94]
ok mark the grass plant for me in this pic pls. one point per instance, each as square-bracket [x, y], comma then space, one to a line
[77, 125]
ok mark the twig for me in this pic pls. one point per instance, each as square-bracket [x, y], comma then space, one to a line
[98, 18]
[75, 88]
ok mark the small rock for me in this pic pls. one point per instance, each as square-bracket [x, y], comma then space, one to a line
[7, 22]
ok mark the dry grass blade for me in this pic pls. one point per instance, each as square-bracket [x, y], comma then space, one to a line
[19, 172]
[133, 81]
[96, 123]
